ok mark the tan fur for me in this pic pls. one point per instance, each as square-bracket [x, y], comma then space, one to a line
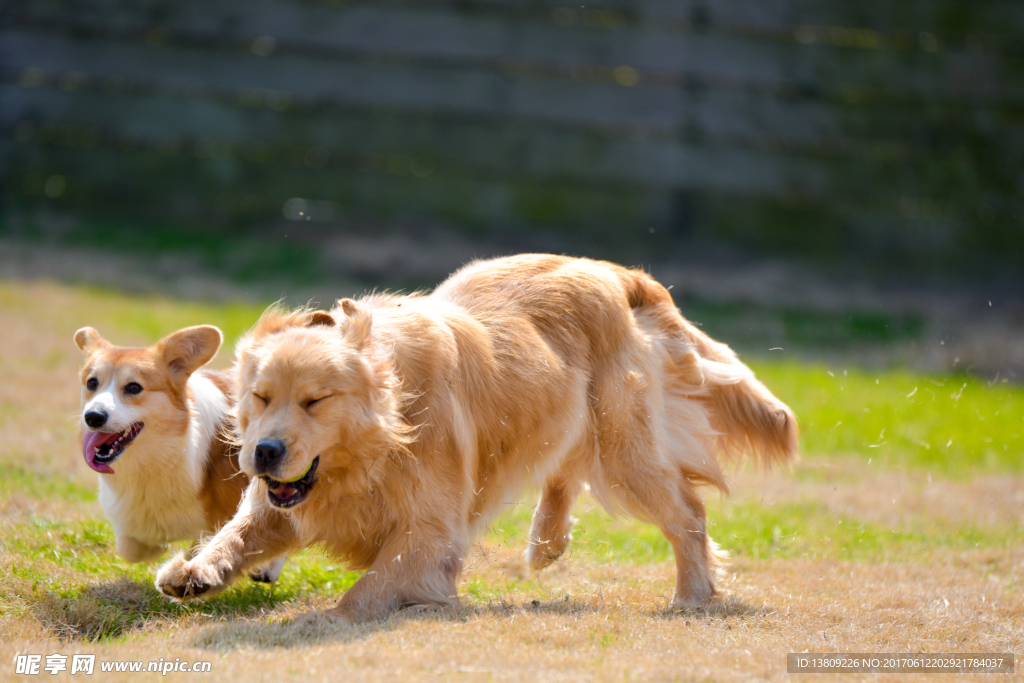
[437, 410]
[224, 482]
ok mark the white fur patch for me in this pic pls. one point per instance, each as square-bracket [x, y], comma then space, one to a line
[153, 495]
[208, 408]
[107, 400]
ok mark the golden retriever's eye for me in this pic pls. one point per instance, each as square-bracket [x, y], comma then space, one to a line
[92, 383]
[133, 388]
[313, 401]
[259, 399]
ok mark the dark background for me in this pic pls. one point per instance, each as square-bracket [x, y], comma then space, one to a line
[825, 173]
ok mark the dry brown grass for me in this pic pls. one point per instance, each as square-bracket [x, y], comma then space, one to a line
[581, 620]
[607, 623]
[902, 499]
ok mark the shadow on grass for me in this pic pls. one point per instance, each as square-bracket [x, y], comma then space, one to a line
[719, 609]
[293, 632]
[111, 609]
[290, 632]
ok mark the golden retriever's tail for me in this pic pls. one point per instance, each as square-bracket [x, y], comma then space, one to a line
[747, 418]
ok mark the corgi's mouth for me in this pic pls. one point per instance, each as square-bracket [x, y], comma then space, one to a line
[286, 494]
[100, 449]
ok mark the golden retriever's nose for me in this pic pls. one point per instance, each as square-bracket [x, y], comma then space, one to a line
[268, 452]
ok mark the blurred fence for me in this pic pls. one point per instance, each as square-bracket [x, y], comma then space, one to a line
[823, 126]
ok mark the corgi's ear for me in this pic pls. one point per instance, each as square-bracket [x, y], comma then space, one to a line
[320, 318]
[359, 323]
[189, 349]
[89, 340]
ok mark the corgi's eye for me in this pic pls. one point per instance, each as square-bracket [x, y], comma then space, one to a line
[132, 388]
[92, 383]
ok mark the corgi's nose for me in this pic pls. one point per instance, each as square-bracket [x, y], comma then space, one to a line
[268, 452]
[95, 419]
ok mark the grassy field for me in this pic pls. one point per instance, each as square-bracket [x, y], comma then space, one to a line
[901, 530]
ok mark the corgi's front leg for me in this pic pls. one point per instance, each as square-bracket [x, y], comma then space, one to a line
[257, 533]
[269, 572]
[134, 550]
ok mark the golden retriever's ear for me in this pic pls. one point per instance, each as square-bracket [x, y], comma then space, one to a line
[89, 340]
[189, 349]
[320, 318]
[360, 324]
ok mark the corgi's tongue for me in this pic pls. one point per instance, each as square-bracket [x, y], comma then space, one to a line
[90, 443]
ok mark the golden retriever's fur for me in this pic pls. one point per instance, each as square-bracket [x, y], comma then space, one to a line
[429, 413]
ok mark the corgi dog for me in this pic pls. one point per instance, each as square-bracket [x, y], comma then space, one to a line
[157, 429]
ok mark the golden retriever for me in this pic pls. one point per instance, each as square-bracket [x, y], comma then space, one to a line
[393, 428]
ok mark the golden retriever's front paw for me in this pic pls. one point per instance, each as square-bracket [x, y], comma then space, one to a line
[184, 580]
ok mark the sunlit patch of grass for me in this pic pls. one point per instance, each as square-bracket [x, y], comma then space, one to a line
[123, 319]
[154, 318]
[951, 424]
[489, 590]
[68, 575]
[748, 529]
[17, 479]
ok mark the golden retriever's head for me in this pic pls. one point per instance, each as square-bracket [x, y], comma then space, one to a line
[314, 395]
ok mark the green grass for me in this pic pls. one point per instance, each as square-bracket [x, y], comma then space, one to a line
[115, 314]
[955, 425]
[110, 599]
[746, 529]
[156, 318]
[18, 479]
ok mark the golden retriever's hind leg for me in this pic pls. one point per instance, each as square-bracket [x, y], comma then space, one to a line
[667, 499]
[696, 565]
[551, 531]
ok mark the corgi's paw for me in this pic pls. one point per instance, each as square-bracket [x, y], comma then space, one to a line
[269, 572]
[185, 580]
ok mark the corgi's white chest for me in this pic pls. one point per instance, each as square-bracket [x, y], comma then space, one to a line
[154, 512]
[154, 493]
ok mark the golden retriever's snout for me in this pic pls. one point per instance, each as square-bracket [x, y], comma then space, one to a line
[268, 454]
[268, 459]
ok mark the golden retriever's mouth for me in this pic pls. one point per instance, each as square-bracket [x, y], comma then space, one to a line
[286, 494]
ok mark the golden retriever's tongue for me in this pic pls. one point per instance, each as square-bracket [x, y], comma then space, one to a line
[284, 491]
[93, 440]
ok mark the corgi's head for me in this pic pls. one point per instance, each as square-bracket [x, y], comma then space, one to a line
[132, 395]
